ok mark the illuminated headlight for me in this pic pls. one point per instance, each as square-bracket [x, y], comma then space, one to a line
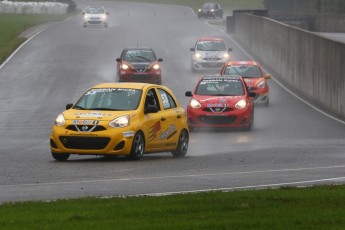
[156, 67]
[195, 104]
[199, 10]
[120, 122]
[262, 84]
[212, 10]
[241, 104]
[124, 66]
[103, 16]
[60, 120]
[197, 55]
[224, 56]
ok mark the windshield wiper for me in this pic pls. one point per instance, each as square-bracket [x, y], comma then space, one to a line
[109, 109]
[78, 107]
[145, 58]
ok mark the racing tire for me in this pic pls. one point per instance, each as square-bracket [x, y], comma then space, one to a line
[267, 102]
[138, 146]
[250, 124]
[60, 156]
[182, 145]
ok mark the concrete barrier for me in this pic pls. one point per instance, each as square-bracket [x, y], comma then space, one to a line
[33, 7]
[310, 64]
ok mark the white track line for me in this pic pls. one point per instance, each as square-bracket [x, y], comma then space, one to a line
[176, 176]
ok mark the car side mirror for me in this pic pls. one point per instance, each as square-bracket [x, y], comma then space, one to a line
[267, 76]
[251, 94]
[192, 49]
[107, 13]
[188, 94]
[151, 109]
[118, 59]
[68, 106]
[83, 13]
[230, 49]
[160, 59]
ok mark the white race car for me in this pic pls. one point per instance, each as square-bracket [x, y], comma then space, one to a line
[95, 15]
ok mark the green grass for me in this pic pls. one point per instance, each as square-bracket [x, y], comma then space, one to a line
[287, 208]
[12, 25]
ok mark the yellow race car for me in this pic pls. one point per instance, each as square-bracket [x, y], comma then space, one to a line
[121, 119]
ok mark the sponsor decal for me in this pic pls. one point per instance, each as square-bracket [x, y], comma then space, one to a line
[85, 122]
[154, 130]
[168, 133]
[93, 114]
[217, 105]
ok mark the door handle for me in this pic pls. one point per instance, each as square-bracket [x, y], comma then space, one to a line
[178, 116]
[162, 118]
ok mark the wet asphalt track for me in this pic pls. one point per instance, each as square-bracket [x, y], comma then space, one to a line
[292, 144]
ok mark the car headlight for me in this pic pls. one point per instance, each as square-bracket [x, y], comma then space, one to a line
[199, 10]
[212, 10]
[241, 104]
[156, 67]
[195, 104]
[226, 55]
[60, 120]
[262, 84]
[197, 56]
[120, 122]
[124, 66]
[103, 16]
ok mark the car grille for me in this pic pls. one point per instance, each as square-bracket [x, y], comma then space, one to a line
[95, 22]
[86, 143]
[217, 109]
[217, 120]
[86, 128]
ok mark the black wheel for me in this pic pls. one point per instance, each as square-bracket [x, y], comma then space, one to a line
[251, 124]
[182, 145]
[138, 146]
[267, 101]
[60, 156]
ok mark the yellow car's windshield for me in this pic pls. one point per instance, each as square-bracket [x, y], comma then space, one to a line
[113, 99]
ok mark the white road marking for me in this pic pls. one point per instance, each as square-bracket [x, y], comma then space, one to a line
[179, 176]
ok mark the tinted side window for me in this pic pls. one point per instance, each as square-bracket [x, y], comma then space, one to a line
[151, 98]
[167, 100]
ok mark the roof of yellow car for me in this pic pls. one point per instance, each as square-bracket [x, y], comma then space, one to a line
[132, 85]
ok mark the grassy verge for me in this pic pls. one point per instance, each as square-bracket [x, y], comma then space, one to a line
[12, 25]
[287, 208]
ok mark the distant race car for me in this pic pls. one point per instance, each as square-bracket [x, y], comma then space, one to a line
[139, 65]
[95, 15]
[253, 75]
[220, 102]
[210, 9]
[128, 119]
[209, 53]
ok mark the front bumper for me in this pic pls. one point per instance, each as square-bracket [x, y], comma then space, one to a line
[198, 118]
[115, 142]
[154, 78]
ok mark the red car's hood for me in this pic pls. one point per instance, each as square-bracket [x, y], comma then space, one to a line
[218, 101]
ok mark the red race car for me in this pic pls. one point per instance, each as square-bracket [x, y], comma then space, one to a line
[139, 65]
[220, 102]
[253, 75]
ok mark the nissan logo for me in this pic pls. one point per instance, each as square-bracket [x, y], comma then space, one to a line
[84, 128]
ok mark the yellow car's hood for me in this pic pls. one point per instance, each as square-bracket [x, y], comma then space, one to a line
[100, 115]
